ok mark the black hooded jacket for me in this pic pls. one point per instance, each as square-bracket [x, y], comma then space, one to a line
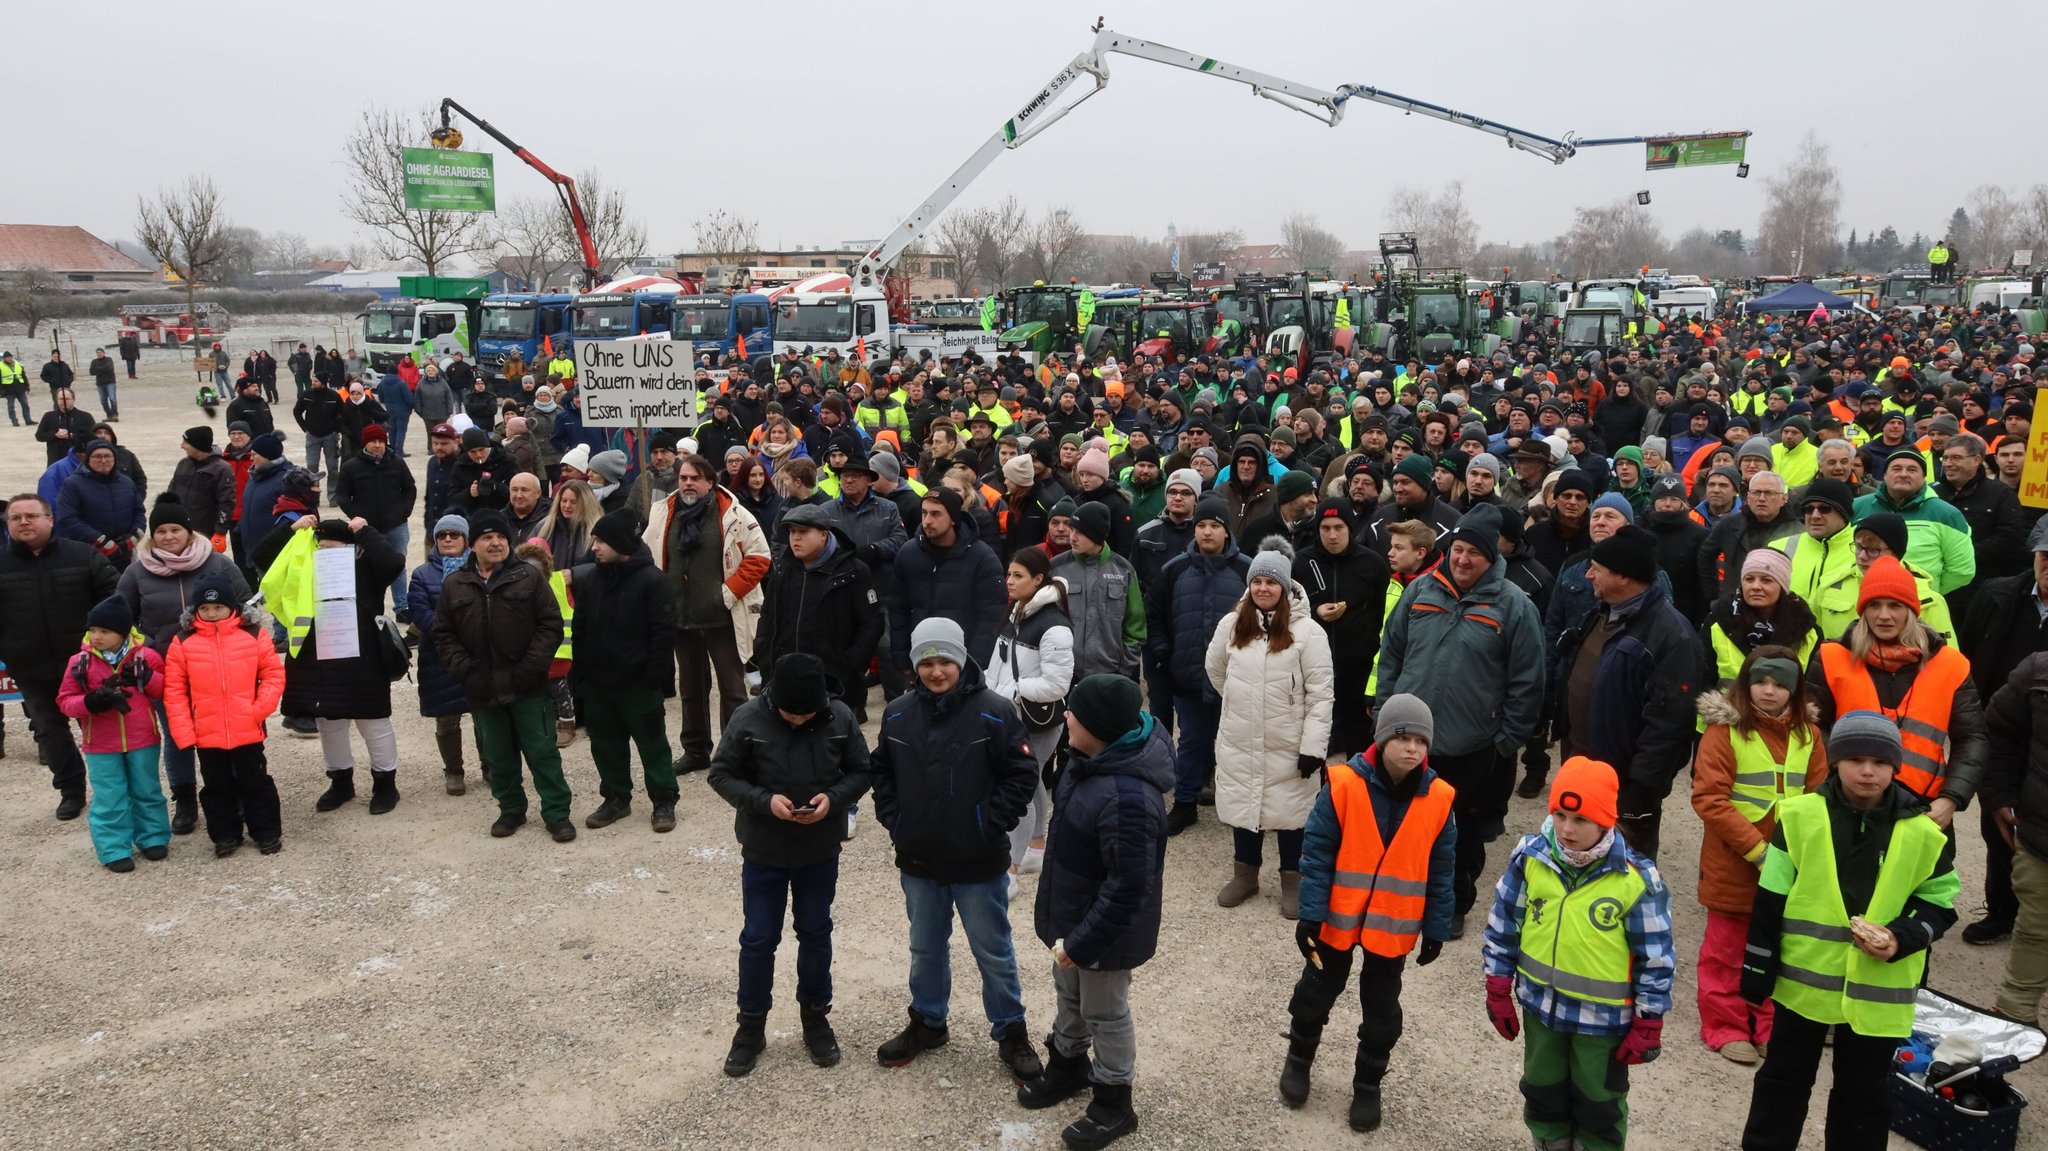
[831, 611]
[953, 774]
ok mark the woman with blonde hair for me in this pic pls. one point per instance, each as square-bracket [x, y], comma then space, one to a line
[1272, 666]
[574, 510]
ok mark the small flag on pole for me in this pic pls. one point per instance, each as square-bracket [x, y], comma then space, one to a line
[860, 350]
[743, 345]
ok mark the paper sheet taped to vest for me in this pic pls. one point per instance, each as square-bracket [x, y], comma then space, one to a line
[334, 607]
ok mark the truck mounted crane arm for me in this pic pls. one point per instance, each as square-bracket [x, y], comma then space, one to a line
[1043, 111]
[448, 136]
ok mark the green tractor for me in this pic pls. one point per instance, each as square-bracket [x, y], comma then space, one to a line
[1430, 314]
[1046, 319]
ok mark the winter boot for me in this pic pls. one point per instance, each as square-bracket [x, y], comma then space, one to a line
[1182, 817]
[1015, 1050]
[341, 788]
[383, 791]
[818, 1037]
[1290, 895]
[1366, 1074]
[747, 1043]
[918, 1036]
[450, 745]
[1065, 1077]
[1107, 1119]
[184, 809]
[608, 813]
[663, 818]
[565, 732]
[1301, 1055]
[1532, 783]
[1244, 883]
[70, 805]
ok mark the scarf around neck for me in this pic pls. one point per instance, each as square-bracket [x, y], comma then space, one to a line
[159, 562]
[1577, 860]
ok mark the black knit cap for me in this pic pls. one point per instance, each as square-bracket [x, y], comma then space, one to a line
[169, 509]
[1107, 705]
[797, 684]
[620, 530]
[1630, 552]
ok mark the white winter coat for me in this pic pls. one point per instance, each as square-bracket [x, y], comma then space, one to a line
[1045, 671]
[1276, 707]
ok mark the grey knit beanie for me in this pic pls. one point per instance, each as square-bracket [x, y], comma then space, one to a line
[1274, 561]
[1404, 715]
[1865, 733]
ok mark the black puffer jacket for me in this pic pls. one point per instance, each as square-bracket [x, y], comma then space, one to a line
[2016, 775]
[760, 756]
[497, 637]
[492, 479]
[378, 488]
[1105, 852]
[963, 583]
[354, 688]
[43, 603]
[831, 611]
[953, 774]
[625, 626]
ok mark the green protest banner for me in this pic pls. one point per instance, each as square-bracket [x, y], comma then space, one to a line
[1669, 152]
[437, 179]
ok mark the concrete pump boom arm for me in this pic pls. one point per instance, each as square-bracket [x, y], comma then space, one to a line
[1043, 111]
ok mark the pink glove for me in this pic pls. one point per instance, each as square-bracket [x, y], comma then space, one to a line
[1643, 1043]
[1500, 1006]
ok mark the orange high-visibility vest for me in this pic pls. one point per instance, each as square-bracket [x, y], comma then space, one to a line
[1922, 715]
[1380, 890]
[990, 497]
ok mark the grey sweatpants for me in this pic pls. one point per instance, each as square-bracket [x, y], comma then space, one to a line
[1096, 1005]
[1043, 743]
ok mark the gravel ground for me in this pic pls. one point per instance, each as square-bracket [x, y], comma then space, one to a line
[408, 981]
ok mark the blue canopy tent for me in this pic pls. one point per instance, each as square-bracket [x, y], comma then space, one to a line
[1798, 298]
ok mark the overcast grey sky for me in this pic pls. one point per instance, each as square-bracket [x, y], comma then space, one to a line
[829, 122]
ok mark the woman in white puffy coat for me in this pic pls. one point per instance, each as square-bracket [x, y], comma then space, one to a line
[1271, 664]
[1033, 667]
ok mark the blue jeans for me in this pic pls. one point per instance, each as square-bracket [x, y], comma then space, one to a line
[180, 768]
[763, 890]
[21, 397]
[985, 914]
[401, 419]
[399, 538]
[108, 406]
[1195, 756]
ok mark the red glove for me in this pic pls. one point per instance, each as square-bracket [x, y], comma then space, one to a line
[1643, 1043]
[1500, 1006]
[107, 547]
[220, 543]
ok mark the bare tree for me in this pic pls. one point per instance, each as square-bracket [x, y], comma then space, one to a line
[1126, 259]
[375, 193]
[727, 238]
[187, 231]
[285, 252]
[1306, 242]
[1996, 221]
[1611, 239]
[1800, 222]
[28, 296]
[1005, 237]
[957, 238]
[1054, 246]
[613, 232]
[531, 240]
[1445, 233]
[1209, 247]
[2035, 222]
[1703, 253]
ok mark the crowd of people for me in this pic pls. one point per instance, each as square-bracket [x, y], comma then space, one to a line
[1358, 605]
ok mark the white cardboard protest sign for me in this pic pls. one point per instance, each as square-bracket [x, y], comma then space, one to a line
[627, 383]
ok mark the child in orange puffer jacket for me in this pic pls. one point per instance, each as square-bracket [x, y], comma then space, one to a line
[223, 681]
